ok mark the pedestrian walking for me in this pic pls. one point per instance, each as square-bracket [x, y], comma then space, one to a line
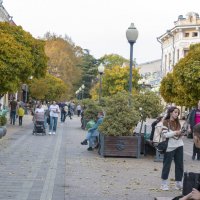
[194, 118]
[46, 113]
[13, 109]
[64, 112]
[172, 131]
[54, 113]
[78, 108]
[20, 113]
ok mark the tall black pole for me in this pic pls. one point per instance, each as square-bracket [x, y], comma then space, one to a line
[100, 87]
[131, 66]
[26, 93]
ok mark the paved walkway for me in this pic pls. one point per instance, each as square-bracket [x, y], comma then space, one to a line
[59, 168]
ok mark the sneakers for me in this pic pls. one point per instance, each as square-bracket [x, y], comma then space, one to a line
[164, 187]
[90, 149]
[179, 185]
[84, 142]
[49, 133]
[54, 133]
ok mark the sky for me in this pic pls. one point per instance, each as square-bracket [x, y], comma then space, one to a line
[100, 25]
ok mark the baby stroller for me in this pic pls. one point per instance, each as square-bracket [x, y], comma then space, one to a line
[38, 120]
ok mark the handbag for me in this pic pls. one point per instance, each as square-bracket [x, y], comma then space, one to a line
[191, 180]
[162, 146]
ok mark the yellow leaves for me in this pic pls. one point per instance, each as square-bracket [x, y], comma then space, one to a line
[21, 55]
[63, 61]
[50, 88]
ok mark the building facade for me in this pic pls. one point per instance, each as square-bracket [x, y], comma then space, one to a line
[4, 15]
[151, 72]
[175, 42]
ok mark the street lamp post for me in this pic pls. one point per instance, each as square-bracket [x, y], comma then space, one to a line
[79, 91]
[131, 35]
[101, 71]
[82, 88]
[76, 94]
[26, 93]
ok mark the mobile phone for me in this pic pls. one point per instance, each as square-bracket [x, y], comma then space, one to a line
[183, 132]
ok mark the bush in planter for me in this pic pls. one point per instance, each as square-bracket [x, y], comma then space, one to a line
[150, 104]
[91, 111]
[121, 116]
[3, 120]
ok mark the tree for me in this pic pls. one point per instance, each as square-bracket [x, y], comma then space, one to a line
[48, 88]
[64, 58]
[116, 79]
[182, 86]
[89, 67]
[112, 60]
[167, 89]
[21, 56]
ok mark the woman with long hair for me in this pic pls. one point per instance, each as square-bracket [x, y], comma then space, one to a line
[172, 131]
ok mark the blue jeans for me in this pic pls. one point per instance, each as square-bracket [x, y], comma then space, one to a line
[63, 116]
[53, 124]
[92, 137]
[12, 117]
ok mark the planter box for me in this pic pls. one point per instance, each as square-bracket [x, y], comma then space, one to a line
[3, 131]
[120, 146]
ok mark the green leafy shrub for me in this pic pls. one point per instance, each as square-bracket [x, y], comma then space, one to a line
[121, 116]
[150, 104]
[91, 110]
[3, 120]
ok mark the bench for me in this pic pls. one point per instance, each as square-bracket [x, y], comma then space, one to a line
[147, 145]
[158, 156]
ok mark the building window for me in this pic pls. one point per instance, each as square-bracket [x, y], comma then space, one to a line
[194, 34]
[169, 61]
[165, 63]
[178, 55]
[185, 52]
[186, 34]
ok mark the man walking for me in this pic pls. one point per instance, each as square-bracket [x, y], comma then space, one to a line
[194, 118]
[13, 109]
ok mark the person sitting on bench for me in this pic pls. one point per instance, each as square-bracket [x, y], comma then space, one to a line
[93, 132]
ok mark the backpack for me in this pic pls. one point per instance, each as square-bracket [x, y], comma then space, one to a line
[157, 138]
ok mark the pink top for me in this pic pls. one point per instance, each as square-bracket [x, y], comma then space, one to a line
[197, 117]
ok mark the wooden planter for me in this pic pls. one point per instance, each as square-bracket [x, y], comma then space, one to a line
[3, 131]
[120, 146]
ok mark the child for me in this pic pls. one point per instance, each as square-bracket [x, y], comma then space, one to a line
[20, 113]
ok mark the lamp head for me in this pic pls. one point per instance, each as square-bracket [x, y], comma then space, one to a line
[101, 68]
[132, 33]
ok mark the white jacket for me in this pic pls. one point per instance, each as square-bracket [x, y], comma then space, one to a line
[174, 141]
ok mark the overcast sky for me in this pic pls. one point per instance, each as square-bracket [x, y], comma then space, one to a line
[100, 25]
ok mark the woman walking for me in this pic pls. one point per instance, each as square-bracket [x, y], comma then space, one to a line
[54, 112]
[172, 131]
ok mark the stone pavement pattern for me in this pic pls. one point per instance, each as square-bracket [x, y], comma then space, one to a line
[59, 168]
